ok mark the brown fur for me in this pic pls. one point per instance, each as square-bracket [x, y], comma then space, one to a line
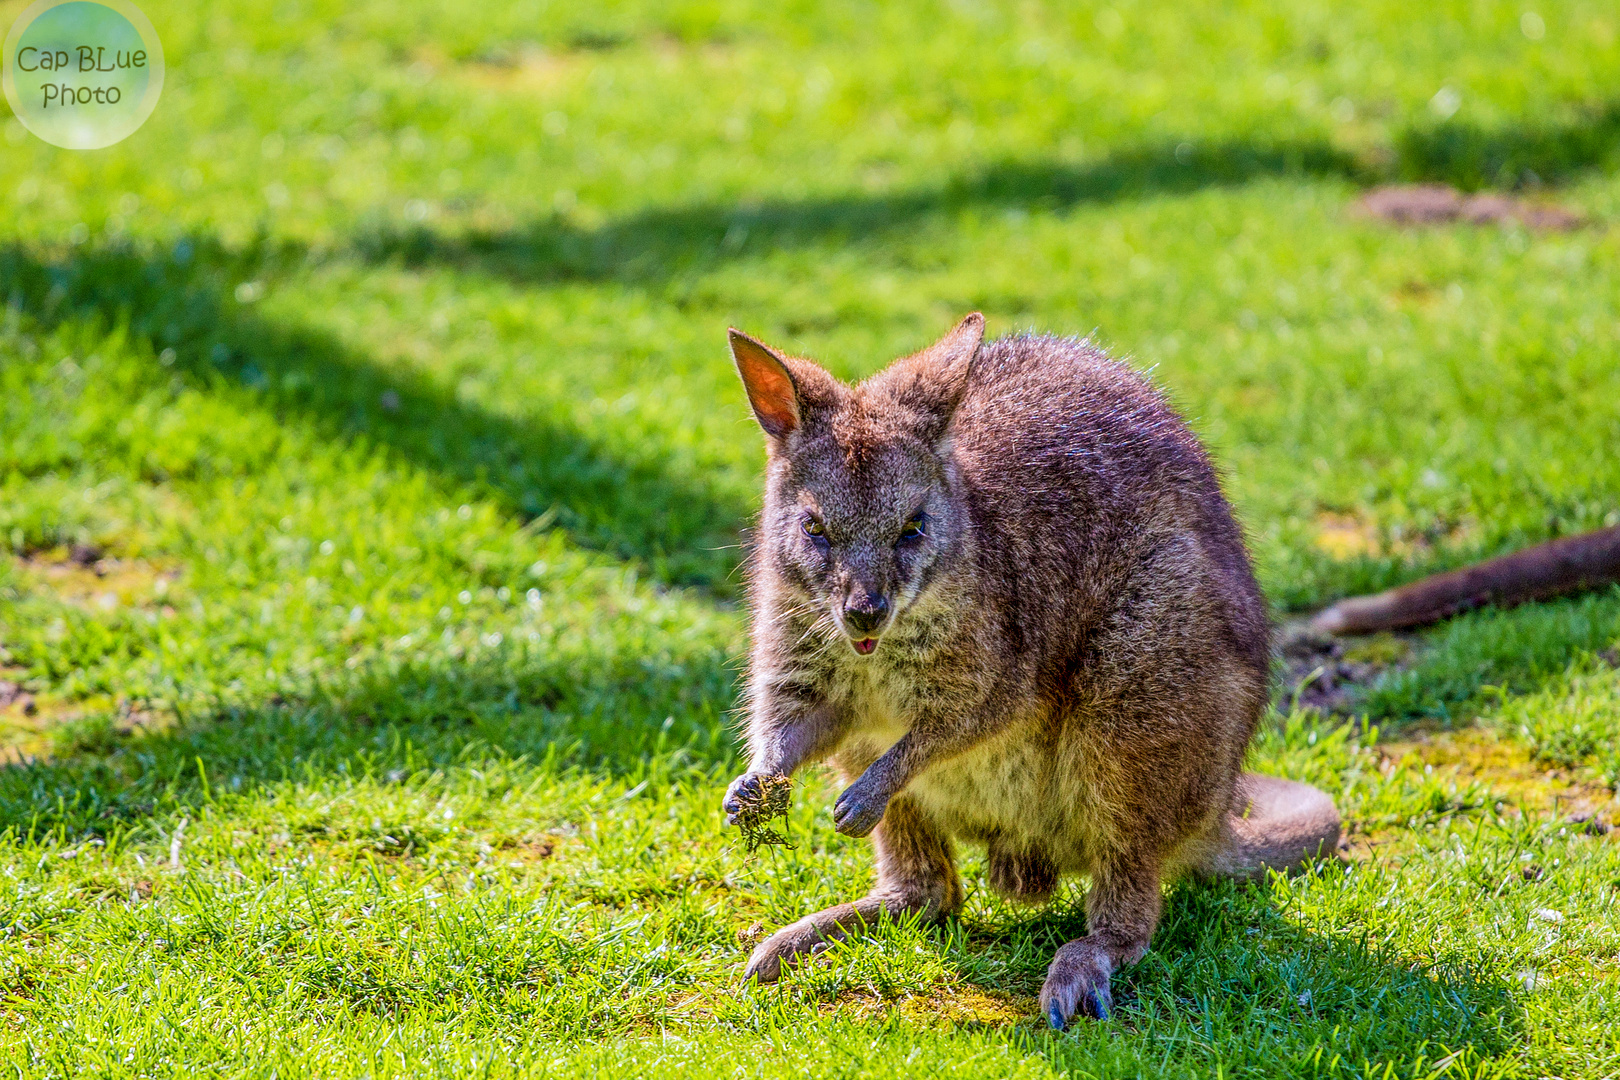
[1072, 655]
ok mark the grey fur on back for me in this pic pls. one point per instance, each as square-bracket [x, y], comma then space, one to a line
[1096, 504]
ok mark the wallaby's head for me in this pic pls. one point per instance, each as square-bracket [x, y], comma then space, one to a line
[861, 504]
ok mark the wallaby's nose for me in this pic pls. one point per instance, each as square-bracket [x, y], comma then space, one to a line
[865, 614]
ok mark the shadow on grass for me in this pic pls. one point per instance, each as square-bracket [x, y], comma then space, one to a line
[529, 464]
[661, 243]
[613, 498]
[1230, 984]
[680, 526]
[1515, 650]
[615, 714]
[624, 500]
[1529, 151]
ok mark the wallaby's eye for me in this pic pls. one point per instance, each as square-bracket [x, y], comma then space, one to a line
[916, 528]
[812, 528]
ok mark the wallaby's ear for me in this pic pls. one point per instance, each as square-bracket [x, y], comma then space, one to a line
[770, 387]
[932, 382]
[951, 356]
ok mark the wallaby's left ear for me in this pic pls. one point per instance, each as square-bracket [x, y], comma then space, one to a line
[933, 381]
[770, 386]
[952, 354]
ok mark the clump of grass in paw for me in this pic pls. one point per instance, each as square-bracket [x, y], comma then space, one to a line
[761, 804]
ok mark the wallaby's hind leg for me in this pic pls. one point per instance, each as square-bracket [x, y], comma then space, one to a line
[1274, 824]
[1027, 876]
[1122, 910]
[916, 873]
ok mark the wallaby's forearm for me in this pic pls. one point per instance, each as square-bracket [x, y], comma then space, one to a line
[863, 803]
[782, 739]
[921, 747]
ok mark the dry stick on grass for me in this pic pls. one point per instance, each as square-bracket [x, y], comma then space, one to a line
[1555, 568]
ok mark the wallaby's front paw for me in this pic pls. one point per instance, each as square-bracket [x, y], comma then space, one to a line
[1077, 982]
[745, 791]
[859, 809]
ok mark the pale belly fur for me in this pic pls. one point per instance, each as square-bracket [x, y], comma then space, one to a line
[1003, 787]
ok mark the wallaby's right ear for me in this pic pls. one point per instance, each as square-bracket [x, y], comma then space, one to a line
[770, 387]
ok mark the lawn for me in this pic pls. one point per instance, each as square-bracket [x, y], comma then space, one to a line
[373, 478]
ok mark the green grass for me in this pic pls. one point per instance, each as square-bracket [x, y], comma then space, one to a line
[385, 368]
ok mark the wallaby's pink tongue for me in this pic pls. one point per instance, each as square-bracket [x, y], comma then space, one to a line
[866, 646]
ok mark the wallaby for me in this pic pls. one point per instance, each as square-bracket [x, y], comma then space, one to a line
[998, 587]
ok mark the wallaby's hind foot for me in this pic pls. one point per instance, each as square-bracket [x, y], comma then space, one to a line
[1122, 909]
[1274, 824]
[814, 933]
[916, 876]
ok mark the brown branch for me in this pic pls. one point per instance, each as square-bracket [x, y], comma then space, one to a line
[1570, 564]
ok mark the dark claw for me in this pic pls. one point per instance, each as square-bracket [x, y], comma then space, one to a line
[1054, 1016]
[746, 783]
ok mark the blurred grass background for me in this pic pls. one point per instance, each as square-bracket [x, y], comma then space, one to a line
[372, 474]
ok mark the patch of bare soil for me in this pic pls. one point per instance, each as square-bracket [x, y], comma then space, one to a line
[973, 1007]
[12, 695]
[1326, 673]
[22, 719]
[1491, 768]
[86, 576]
[1434, 204]
[529, 849]
[1347, 536]
[1520, 783]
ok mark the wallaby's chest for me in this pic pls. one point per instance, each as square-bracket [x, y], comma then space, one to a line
[879, 705]
[1001, 786]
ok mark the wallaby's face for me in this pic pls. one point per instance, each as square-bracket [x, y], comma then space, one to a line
[860, 538]
[859, 507]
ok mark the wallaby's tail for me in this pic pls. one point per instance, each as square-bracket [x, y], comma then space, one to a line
[1536, 573]
[1274, 824]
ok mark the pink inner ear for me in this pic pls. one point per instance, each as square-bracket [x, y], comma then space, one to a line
[770, 387]
[771, 392]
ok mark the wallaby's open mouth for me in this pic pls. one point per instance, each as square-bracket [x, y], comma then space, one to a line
[865, 645]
